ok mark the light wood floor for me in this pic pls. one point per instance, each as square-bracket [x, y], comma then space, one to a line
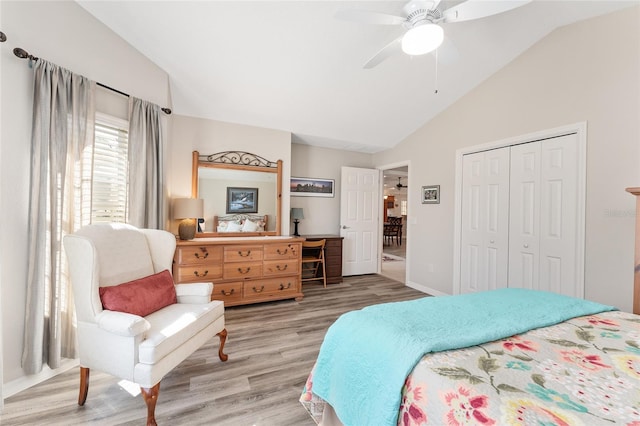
[395, 249]
[271, 348]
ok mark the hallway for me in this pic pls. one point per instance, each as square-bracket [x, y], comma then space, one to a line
[393, 261]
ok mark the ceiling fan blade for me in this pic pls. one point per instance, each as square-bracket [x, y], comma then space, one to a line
[369, 17]
[474, 9]
[389, 50]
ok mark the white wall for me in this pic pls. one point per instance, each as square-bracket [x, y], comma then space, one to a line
[63, 33]
[322, 215]
[190, 134]
[588, 71]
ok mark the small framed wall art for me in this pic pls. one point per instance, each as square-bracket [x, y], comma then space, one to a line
[431, 194]
[242, 200]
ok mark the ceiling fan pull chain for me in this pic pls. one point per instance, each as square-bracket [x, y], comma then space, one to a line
[436, 84]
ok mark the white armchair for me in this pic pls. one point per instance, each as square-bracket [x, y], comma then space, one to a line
[139, 349]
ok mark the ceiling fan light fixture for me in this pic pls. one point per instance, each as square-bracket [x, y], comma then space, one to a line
[422, 39]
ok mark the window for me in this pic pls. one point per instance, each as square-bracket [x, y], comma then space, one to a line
[403, 207]
[110, 170]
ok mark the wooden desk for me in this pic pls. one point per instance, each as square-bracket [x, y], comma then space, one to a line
[332, 256]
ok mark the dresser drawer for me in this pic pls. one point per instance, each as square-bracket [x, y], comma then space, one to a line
[271, 287]
[243, 253]
[242, 270]
[280, 267]
[230, 293]
[190, 255]
[197, 273]
[282, 251]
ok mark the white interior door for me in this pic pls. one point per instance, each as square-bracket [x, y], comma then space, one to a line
[359, 210]
[485, 220]
[524, 229]
[544, 231]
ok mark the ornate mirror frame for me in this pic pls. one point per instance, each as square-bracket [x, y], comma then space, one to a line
[239, 160]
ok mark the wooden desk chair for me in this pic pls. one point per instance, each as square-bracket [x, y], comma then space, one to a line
[312, 258]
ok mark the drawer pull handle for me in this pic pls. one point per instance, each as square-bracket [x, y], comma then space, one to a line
[204, 251]
[279, 268]
[228, 293]
[243, 254]
[197, 274]
[282, 287]
[244, 271]
[282, 253]
[258, 291]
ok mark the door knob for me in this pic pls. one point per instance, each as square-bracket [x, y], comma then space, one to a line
[345, 227]
[525, 245]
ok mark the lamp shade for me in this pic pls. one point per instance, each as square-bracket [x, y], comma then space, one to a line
[188, 208]
[297, 213]
[422, 39]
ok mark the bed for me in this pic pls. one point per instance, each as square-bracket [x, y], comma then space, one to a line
[238, 223]
[504, 357]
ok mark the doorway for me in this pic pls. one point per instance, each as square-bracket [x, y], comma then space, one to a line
[394, 225]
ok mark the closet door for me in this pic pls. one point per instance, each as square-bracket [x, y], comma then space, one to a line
[559, 207]
[544, 207]
[485, 220]
[524, 220]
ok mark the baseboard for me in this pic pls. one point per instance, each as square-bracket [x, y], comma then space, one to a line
[425, 289]
[25, 382]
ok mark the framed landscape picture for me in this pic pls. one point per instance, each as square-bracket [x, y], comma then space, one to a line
[431, 194]
[312, 187]
[242, 200]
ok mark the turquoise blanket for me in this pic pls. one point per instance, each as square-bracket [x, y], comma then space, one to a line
[367, 354]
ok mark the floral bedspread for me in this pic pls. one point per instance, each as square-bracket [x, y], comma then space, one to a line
[585, 371]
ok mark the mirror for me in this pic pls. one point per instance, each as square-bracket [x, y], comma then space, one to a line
[237, 187]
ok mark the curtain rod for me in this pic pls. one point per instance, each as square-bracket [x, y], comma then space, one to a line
[23, 54]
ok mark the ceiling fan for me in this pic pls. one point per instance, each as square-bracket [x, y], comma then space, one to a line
[399, 185]
[421, 19]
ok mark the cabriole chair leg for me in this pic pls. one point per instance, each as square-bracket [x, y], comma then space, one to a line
[150, 396]
[223, 339]
[84, 385]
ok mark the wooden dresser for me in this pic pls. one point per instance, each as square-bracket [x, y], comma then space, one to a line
[332, 256]
[243, 270]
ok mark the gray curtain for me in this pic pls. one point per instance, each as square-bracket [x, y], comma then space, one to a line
[146, 165]
[62, 132]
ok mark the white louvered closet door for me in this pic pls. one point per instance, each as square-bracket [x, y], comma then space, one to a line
[485, 220]
[544, 206]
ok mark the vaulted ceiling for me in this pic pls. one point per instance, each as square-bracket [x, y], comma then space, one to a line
[291, 65]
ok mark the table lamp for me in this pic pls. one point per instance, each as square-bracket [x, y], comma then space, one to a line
[296, 215]
[189, 210]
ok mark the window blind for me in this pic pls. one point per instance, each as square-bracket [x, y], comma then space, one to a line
[110, 170]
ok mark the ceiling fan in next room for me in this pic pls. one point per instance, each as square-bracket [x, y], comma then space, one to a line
[399, 185]
[421, 19]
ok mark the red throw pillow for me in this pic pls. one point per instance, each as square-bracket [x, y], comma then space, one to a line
[142, 296]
